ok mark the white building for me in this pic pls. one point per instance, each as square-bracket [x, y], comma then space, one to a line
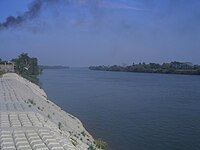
[7, 67]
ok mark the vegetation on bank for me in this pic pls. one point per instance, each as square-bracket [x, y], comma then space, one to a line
[27, 67]
[99, 144]
[165, 68]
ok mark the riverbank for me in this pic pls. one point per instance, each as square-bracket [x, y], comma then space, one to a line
[22, 98]
[175, 67]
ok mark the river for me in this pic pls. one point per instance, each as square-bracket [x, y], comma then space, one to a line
[130, 111]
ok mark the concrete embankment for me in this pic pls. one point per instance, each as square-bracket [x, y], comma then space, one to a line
[28, 120]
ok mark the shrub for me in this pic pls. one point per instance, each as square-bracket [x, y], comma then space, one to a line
[91, 147]
[101, 144]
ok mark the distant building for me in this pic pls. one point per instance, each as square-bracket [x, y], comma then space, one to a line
[7, 67]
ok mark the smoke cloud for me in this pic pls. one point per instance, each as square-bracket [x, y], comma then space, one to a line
[37, 6]
[34, 10]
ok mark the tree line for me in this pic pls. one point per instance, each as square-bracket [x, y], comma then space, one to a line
[165, 68]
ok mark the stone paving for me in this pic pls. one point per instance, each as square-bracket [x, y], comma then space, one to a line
[24, 128]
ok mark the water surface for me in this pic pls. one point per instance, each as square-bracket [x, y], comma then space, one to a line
[131, 111]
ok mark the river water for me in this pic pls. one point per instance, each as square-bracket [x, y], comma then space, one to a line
[130, 111]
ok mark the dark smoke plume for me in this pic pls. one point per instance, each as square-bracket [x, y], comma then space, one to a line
[34, 11]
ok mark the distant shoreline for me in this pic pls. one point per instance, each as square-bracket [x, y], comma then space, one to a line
[54, 67]
[179, 68]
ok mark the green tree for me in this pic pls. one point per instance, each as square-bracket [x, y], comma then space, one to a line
[27, 67]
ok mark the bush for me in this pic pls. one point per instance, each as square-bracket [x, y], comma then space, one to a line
[27, 67]
[101, 144]
[91, 147]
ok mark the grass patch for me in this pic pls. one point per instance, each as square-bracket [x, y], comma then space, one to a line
[83, 133]
[41, 109]
[74, 142]
[91, 147]
[101, 144]
[31, 101]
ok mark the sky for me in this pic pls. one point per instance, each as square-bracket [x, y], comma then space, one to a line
[81, 33]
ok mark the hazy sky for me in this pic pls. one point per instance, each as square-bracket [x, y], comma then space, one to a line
[97, 32]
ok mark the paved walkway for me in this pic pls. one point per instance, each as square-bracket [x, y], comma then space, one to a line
[22, 127]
